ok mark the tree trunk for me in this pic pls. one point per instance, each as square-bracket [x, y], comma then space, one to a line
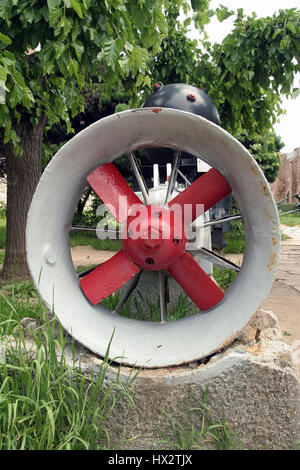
[23, 174]
[82, 202]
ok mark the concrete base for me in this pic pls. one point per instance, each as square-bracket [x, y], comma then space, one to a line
[254, 382]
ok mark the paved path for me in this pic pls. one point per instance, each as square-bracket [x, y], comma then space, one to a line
[284, 298]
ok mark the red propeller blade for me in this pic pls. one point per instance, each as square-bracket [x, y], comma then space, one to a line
[114, 191]
[203, 291]
[208, 189]
[108, 277]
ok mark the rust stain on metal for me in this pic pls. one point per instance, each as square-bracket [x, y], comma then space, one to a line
[156, 110]
[264, 188]
[274, 241]
[272, 262]
[228, 341]
[254, 170]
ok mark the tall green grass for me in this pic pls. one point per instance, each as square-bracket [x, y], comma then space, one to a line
[17, 301]
[45, 402]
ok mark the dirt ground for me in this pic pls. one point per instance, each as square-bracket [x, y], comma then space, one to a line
[284, 298]
[86, 255]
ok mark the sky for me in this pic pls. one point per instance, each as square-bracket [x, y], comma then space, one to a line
[289, 125]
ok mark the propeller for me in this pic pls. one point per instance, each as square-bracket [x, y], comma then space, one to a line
[116, 194]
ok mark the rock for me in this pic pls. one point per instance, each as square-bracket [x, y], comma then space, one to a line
[28, 325]
[248, 334]
[263, 319]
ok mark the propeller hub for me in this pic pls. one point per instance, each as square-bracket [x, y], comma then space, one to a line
[154, 237]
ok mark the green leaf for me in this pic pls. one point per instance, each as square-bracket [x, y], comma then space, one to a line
[187, 21]
[124, 66]
[77, 7]
[223, 13]
[138, 60]
[53, 4]
[128, 46]
[75, 30]
[72, 67]
[111, 51]
[147, 81]
[5, 39]
[59, 49]
[54, 17]
[198, 4]
[121, 107]
[278, 31]
[30, 15]
[79, 49]
[250, 74]
[139, 80]
[291, 27]
[3, 75]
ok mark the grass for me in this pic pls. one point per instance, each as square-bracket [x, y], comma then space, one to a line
[143, 309]
[224, 277]
[208, 432]
[291, 220]
[235, 238]
[44, 402]
[235, 242]
[89, 239]
[17, 301]
[81, 269]
[284, 236]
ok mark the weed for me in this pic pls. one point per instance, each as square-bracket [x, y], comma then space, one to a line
[199, 430]
[224, 277]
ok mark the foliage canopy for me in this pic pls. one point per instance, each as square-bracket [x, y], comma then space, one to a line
[122, 46]
[80, 42]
